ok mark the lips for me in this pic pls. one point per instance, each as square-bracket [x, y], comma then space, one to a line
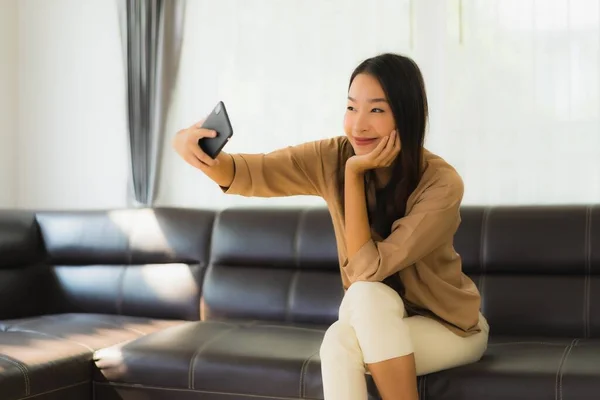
[364, 141]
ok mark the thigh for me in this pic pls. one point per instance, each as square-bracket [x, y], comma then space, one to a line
[373, 298]
[437, 348]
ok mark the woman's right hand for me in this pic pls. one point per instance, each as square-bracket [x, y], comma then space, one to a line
[185, 144]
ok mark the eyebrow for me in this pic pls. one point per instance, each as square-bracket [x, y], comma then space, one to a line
[376, 100]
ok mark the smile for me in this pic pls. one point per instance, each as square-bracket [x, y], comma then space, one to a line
[364, 141]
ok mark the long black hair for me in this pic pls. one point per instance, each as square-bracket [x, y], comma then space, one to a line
[404, 88]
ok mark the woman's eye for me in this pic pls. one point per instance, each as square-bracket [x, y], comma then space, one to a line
[350, 108]
[377, 110]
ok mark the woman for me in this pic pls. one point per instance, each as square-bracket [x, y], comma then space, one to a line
[408, 308]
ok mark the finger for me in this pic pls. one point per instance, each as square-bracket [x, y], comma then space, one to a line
[199, 133]
[202, 156]
[191, 159]
[396, 149]
[390, 151]
[392, 156]
[381, 146]
[398, 145]
[193, 136]
[374, 154]
[393, 140]
[386, 150]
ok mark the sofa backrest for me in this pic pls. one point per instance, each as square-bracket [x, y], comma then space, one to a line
[139, 262]
[538, 268]
[273, 264]
[22, 272]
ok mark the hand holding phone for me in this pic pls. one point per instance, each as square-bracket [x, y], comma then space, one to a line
[200, 144]
[218, 121]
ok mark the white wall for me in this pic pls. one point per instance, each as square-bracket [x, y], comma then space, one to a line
[513, 86]
[8, 102]
[282, 69]
[522, 100]
[72, 148]
[515, 100]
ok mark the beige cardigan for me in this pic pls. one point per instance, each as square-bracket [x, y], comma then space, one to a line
[420, 248]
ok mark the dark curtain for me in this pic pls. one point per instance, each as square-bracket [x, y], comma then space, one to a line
[151, 33]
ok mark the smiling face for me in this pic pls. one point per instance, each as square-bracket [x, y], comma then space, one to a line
[368, 116]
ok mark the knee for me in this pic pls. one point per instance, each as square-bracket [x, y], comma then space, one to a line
[373, 296]
[339, 344]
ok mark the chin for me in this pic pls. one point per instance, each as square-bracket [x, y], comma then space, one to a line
[360, 151]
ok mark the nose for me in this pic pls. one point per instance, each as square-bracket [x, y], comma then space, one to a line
[360, 124]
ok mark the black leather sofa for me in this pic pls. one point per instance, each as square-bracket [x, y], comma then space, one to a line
[188, 304]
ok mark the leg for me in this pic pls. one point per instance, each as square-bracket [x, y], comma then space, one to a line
[376, 312]
[395, 348]
[436, 348]
[342, 366]
[396, 378]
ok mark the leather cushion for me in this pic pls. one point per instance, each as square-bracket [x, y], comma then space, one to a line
[275, 238]
[40, 363]
[284, 295]
[523, 368]
[135, 236]
[92, 331]
[20, 242]
[226, 357]
[170, 291]
[43, 354]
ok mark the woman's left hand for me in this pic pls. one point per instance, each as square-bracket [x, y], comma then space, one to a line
[381, 156]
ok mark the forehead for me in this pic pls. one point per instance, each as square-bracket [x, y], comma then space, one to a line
[365, 85]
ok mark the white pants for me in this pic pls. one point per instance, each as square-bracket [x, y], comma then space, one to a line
[373, 327]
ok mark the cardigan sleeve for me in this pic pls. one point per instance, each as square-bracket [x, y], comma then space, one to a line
[290, 171]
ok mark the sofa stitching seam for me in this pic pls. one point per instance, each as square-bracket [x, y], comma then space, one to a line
[302, 390]
[119, 299]
[562, 370]
[585, 271]
[482, 249]
[290, 295]
[588, 272]
[54, 390]
[525, 342]
[558, 381]
[23, 370]
[143, 386]
[197, 352]
[299, 225]
[293, 280]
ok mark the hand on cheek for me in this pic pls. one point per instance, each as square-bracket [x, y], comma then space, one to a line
[383, 155]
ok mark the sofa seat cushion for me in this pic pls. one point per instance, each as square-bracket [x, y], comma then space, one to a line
[51, 355]
[523, 368]
[92, 331]
[34, 364]
[229, 360]
[214, 359]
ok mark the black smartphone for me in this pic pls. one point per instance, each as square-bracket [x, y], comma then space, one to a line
[218, 121]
